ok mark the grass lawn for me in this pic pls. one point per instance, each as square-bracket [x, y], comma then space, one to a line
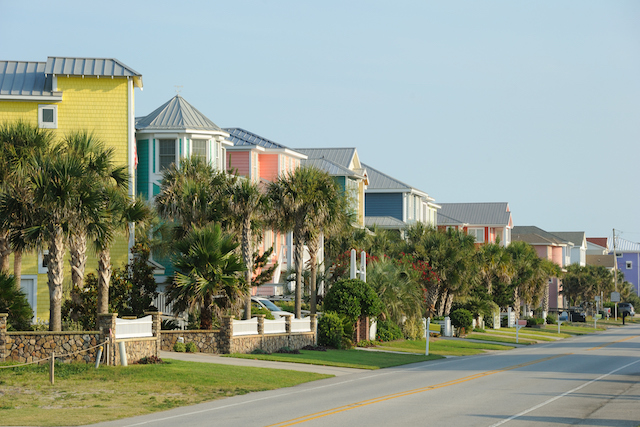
[537, 334]
[85, 395]
[442, 347]
[510, 339]
[344, 358]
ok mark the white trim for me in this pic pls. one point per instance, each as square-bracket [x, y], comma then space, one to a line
[41, 268]
[48, 125]
[46, 98]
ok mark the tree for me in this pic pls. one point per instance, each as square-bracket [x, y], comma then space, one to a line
[19, 142]
[208, 273]
[246, 205]
[302, 202]
[14, 302]
[353, 298]
[525, 265]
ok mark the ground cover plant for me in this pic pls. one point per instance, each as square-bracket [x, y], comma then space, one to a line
[442, 347]
[85, 395]
[353, 358]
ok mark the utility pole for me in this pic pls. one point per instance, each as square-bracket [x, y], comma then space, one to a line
[615, 271]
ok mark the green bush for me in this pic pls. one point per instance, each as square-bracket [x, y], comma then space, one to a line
[533, 321]
[353, 298]
[179, 347]
[413, 329]
[267, 314]
[387, 330]
[191, 347]
[461, 318]
[330, 330]
[14, 302]
[551, 319]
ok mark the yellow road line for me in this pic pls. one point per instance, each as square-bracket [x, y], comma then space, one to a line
[355, 405]
[613, 342]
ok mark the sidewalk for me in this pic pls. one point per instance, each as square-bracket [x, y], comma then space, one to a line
[216, 358]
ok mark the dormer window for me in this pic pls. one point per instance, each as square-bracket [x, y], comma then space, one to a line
[48, 116]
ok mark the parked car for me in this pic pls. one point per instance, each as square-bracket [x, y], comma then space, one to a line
[260, 302]
[626, 307]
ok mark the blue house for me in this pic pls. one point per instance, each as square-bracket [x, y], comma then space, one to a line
[627, 256]
[392, 204]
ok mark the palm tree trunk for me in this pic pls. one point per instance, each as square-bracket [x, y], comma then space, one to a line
[298, 256]
[443, 302]
[104, 280]
[55, 275]
[516, 302]
[5, 251]
[432, 298]
[447, 307]
[206, 313]
[313, 246]
[78, 260]
[17, 267]
[247, 255]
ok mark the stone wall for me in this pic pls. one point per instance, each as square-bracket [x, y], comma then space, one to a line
[207, 341]
[271, 342]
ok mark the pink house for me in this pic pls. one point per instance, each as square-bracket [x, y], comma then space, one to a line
[263, 161]
[487, 222]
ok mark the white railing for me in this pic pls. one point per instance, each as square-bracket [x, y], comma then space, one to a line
[275, 326]
[245, 327]
[301, 325]
[134, 328]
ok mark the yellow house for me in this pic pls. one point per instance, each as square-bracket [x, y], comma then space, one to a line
[67, 94]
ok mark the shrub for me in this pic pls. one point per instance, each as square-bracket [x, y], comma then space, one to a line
[461, 318]
[260, 351]
[150, 360]
[367, 343]
[330, 330]
[169, 325]
[479, 330]
[413, 329]
[533, 321]
[551, 319]
[191, 347]
[353, 298]
[14, 302]
[179, 347]
[288, 350]
[314, 348]
[267, 314]
[388, 330]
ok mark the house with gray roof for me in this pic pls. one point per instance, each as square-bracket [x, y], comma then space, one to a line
[576, 246]
[487, 222]
[343, 164]
[173, 131]
[627, 255]
[392, 204]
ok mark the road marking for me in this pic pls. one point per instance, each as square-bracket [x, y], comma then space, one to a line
[355, 405]
[513, 417]
[613, 342]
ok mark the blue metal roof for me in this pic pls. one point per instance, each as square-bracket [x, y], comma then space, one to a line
[24, 78]
[176, 114]
[241, 137]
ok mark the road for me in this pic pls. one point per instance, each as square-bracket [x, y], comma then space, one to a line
[590, 380]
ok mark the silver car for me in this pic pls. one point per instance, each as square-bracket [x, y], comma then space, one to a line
[626, 307]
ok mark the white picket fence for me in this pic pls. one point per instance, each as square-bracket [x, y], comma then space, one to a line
[250, 327]
[134, 328]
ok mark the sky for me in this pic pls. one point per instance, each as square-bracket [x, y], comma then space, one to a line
[534, 103]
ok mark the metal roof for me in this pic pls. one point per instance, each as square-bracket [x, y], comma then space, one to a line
[575, 237]
[381, 181]
[535, 236]
[330, 167]
[474, 214]
[99, 67]
[600, 260]
[241, 137]
[341, 156]
[176, 115]
[623, 245]
[384, 222]
[24, 78]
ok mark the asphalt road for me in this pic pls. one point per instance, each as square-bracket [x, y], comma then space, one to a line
[592, 380]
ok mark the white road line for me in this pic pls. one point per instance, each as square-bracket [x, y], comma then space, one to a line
[513, 417]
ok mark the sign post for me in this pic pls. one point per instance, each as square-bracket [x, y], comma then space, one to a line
[615, 297]
[426, 351]
[559, 323]
[519, 324]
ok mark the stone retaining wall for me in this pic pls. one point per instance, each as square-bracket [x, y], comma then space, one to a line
[207, 341]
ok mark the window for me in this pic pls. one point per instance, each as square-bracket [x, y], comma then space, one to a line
[629, 265]
[167, 152]
[43, 262]
[48, 116]
[478, 233]
[199, 149]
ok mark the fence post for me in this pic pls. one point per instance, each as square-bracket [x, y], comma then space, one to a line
[156, 328]
[260, 324]
[107, 326]
[226, 334]
[3, 336]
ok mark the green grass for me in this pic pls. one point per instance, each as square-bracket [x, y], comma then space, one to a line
[85, 395]
[343, 358]
[511, 339]
[443, 347]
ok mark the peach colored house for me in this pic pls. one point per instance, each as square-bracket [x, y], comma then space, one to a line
[262, 160]
[487, 222]
[551, 247]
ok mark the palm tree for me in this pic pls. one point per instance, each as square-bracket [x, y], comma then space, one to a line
[100, 166]
[193, 195]
[246, 205]
[19, 142]
[208, 266]
[303, 202]
[525, 262]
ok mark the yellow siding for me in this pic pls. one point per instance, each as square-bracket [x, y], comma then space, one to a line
[95, 105]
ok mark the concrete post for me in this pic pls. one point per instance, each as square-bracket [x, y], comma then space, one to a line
[3, 336]
[287, 323]
[260, 324]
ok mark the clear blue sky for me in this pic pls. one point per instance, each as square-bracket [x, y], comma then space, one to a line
[533, 103]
